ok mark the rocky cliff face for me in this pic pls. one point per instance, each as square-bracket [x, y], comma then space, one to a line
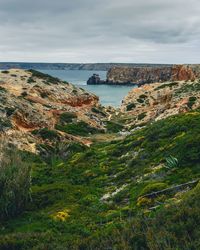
[160, 100]
[142, 75]
[30, 101]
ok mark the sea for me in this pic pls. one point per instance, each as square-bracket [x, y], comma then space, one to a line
[109, 95]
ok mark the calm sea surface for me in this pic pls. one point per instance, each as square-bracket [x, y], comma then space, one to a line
[109, 95]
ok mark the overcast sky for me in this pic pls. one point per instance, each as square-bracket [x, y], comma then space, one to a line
[151, 31]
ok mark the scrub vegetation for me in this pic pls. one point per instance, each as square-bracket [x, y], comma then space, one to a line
[140, 192]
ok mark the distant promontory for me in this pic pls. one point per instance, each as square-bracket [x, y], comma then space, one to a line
[150, 74]
[72, 66]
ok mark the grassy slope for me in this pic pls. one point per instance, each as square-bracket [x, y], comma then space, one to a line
[66, 211]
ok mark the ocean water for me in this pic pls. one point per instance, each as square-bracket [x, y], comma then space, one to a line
[109, 95]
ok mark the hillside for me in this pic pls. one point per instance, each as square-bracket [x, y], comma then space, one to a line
[37, 108]
[157, 101]
[134, 186]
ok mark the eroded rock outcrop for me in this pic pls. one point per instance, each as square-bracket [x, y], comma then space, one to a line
[159, 100]
[30, 100]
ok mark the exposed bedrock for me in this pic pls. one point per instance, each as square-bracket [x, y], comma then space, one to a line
[143, 75]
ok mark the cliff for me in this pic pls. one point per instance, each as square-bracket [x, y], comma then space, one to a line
[31, 101]
[142, 75]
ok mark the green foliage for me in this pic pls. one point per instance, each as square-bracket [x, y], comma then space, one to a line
[142, 116]
[24, 94]
[140, 100]
[98, 111]
[9, 111]
[171, 162]
[15, 183]
[191, 101]
[76, 179]
[4, 124]
[130, 106]
[153, 187]
[169, 85]
[143, 96]
[47, 78]
[46, 134]
[113, 127]
[79, 128]
[67, 117]
[2, 89]
[188, 88]
[59, 151]
[31, 80]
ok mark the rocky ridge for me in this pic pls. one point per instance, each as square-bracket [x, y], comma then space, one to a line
[159, 100]
[31, 101]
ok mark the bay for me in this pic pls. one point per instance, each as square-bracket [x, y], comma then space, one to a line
[109, 95]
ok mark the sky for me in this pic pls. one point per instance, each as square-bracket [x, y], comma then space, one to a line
[90, 31]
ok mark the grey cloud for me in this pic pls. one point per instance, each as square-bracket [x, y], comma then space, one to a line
[100, 30]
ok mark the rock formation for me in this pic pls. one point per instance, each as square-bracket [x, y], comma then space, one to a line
[142, 75]
[94, 79]
[30, 100]
[160, 100]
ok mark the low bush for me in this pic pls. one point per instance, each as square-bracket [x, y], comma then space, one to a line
[113, 127]
[98, 111]
[130, 106]
[15, 181]
[47, 78]
[79, 128]
[153, 187]
[46, 134]
[142, 116]
[67, 117]
[191, 101]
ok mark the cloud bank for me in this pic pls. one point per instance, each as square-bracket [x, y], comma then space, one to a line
[153, 31]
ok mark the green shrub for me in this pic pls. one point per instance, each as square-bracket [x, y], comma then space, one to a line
[9, 111]
[59, 151]
[4, 124]
[170, 85]
[140, 100]
[45, 133]
[171, 162]
[153, 187]
[3, 89]
[143, 96]
[15, 181]
[191, 101]
[79, 128]
[130, 106]
[98, 111]
[24, 94]
[142, 116]
[47, 78]
[67, 117]
[113, 127]
[30, 80]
